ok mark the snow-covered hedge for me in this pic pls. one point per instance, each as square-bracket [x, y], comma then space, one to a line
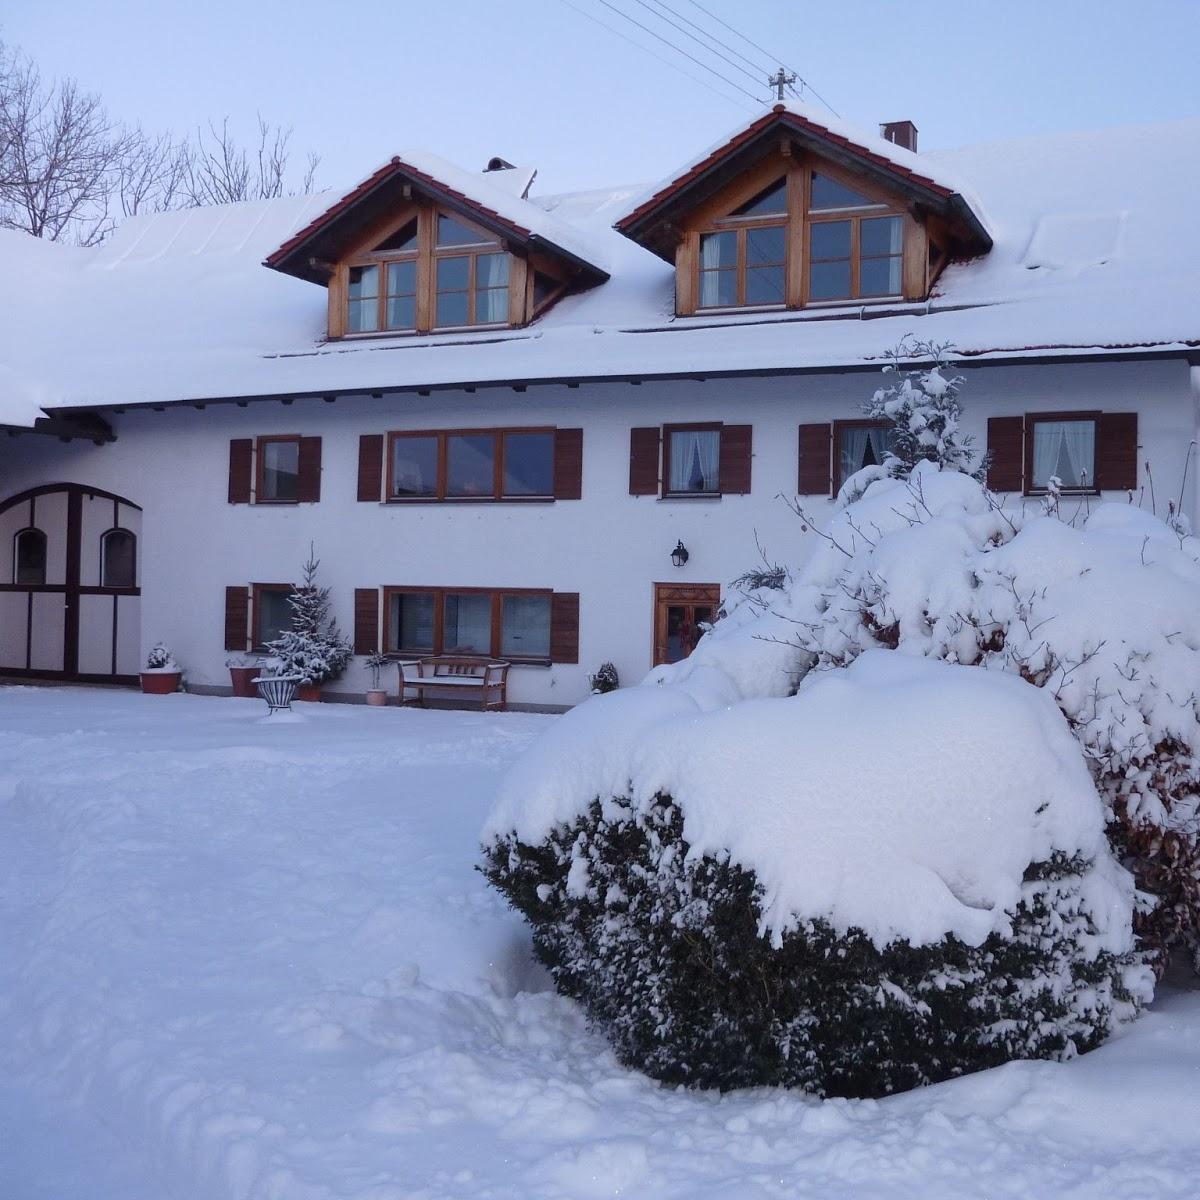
[894, 876]
[1103, 613]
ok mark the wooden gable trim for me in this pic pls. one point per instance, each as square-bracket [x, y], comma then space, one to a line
[375, 195]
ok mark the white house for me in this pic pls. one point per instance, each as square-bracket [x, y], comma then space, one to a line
[496, 414]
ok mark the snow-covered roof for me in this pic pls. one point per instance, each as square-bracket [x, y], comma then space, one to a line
[1094, 250]
[478, 192]
[934, 183]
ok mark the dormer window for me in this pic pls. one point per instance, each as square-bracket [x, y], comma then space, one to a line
[807, 237]
[433, 271]
[420, 246]
[790, 212]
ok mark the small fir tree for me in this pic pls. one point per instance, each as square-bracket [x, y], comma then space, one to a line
[313, 649]
[923, 410]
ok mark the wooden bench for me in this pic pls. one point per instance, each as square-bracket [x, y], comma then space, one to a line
[454, 677]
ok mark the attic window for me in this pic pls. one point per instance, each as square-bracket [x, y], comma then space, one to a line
[433, 271]
[454, 233]
[770, 201]
[404, 238]
[810, 236]
[829, 194]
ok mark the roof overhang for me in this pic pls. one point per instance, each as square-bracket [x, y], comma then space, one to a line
[308, 253]
[654, 223]
[67, 425]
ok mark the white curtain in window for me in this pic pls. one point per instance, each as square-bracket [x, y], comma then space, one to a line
[491, 306]
[1066, 449]
[695, 460]
[862, 446]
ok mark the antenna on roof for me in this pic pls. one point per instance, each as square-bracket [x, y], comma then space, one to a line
[780, 80]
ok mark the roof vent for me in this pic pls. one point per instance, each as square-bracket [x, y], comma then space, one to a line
[498, 164]
[900, 133]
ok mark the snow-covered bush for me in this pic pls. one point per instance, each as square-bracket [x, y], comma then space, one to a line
[1105, 615]
[375, 663]
[314, 649]
[921, 409]
[160, 659]
[817, 891]
[604, 680]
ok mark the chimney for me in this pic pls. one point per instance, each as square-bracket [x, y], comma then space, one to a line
[900, 133]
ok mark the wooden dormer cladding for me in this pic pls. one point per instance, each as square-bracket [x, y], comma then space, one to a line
[406, 253]
[789, 214]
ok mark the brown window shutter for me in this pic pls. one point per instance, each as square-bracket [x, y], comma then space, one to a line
[568, 464]
[237, 618]
[370, 467]
[735, 459]
[816, 445]
[643, 461]
[309, 485]
[1116, 452]
[564, 627]
[366, 620]
[241, 460]
[1006, 450]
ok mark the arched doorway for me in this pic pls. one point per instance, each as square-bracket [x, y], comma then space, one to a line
[70, 595]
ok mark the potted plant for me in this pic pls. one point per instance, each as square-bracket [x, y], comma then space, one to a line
[242, 672]
[314, 649]
[376, 662]
[604, 680]
[162, 674]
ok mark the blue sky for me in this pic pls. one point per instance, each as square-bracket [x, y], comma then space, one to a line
[539, 82]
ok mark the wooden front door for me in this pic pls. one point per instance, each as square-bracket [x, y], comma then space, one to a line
[679, 611]
[69, 596]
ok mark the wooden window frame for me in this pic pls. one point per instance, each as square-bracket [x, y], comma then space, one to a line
[688, 427]
[740, 226]
[16, 550]
[257, 644]
[120, 587]
[472, 253]
[443, 436]
[426, 256]
[715, 216]
[260, 466]
[439, 595]
[836, 447]
[1032, 419]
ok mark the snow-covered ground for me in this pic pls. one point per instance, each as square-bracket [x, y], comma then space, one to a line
[250, 960]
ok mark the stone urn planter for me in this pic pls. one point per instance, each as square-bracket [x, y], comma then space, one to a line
[243, 681]
[160, 681]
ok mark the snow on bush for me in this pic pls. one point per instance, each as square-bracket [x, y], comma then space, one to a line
[1103, 614]
[897, 875]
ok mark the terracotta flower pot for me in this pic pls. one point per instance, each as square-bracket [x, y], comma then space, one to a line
[377, 697]
[309, 691]
[160, 683]
[242, 681]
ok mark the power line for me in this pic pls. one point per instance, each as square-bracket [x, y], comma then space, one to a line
[711, 50]
[654, 54]
[759, 70]
[725, 24]
[679, 50]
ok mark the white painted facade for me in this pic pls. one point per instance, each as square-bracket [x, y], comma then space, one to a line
[609, 546]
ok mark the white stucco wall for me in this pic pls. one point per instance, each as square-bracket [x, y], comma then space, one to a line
[610, 547]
